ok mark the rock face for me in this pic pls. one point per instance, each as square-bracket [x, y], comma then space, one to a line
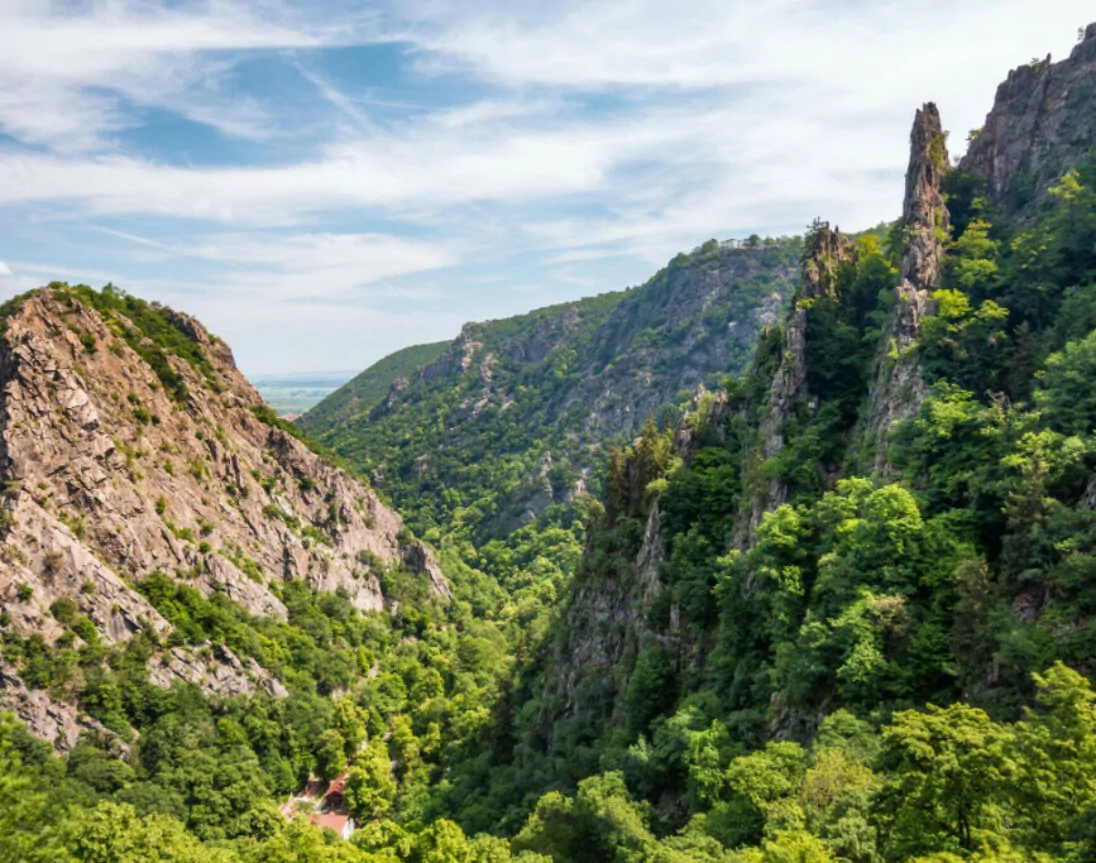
[216, 669]
[1043, 121]
[621, 602]
[827, 250]
[899, 387]
[556, 385]
[587, 675]
[109, 475]
[609, 619]
[53, 721]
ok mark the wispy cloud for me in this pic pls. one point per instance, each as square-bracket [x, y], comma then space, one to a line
[70, 78]
[432, 152]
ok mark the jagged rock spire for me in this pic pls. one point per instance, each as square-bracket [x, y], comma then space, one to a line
[899, 387]
[924, 212]
[826, 251]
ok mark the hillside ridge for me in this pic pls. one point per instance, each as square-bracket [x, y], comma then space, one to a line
[120, 459]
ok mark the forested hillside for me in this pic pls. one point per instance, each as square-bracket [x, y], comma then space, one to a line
[840, 611]
[894, 509]
[515, 416]
[366, 390]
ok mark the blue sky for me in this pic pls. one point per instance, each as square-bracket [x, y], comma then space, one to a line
[325, 183]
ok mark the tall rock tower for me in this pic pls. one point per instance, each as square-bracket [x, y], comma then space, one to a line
[899, 387]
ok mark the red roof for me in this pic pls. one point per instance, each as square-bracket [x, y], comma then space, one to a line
[330, 821]
[338, 785]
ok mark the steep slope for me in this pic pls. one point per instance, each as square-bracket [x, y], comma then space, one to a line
[892, 509]
[843, 613]
[367, 389]
[899, 385]
[1043, 122]
[514, 415]
[130, 444]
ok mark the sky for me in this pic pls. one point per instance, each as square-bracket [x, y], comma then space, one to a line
[325, 183]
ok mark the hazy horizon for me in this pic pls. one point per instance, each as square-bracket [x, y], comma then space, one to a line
[325, 187]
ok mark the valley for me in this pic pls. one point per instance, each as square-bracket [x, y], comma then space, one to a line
[786, 554]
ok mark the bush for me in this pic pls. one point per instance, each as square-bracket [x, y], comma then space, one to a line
[64, 610]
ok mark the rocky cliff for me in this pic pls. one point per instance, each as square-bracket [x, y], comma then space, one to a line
[628, 596]
[1043, 121]
[130, 443]
[899, 386]
[789, 392]
[515, 414]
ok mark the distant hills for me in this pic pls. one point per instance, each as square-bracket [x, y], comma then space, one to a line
[516, 415]
[296, 392]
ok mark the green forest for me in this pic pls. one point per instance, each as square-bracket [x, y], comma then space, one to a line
[894, 664]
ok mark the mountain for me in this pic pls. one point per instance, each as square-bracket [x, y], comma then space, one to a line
[131, 448]
[892, 510]
[839, 611]
[515, 415]
[364, 391]
[1040, 125]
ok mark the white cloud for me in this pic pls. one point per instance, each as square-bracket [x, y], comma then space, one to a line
[561, 141]
[67, 76]
[5, 270]
[714, 43]
[320, 267]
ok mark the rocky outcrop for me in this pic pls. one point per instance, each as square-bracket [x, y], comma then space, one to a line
[604, 627]
[52, 721]
[898, 387]
[570, 378]
[215, 669]
[109, 474]
[789, 395]
[1043, 121]
[608, 619]
[673, 334]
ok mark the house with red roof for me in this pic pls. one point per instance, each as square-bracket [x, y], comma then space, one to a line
[343, 825]
[328, 807]
[334, 797]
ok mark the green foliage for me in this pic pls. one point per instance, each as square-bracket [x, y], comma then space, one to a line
[64, 610]
[949, 771]
[1065, 393]
[371, 787]
[28, 833]
[886, 667]
[363, 392]
[153, 331]
[649, 687]
[463, 462]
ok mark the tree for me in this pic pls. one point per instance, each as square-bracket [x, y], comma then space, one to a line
[1065, 392]
[950, 775]
[1056, 753]
[795, 847]
[649, 687]
[350, 720]
[331, 754]
[601, 823]
[114, 833]
[28, 833]
[370, 787]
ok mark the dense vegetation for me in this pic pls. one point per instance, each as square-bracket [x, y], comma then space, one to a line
[893, 666]
[957, 576]
[363, 392]
[508, 422]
